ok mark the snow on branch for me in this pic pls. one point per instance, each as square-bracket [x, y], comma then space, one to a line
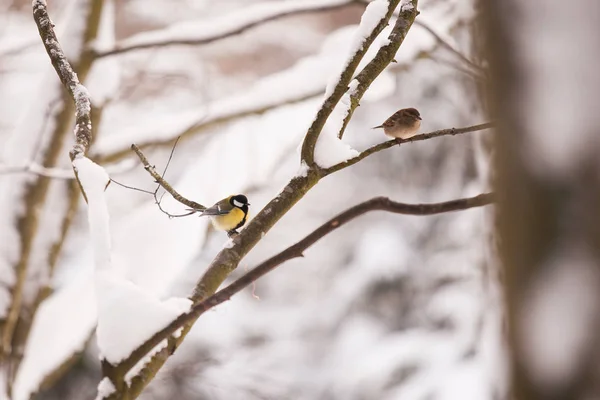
[68, 77]
[384, 56]
[204, 32]
[374, 20]
[329, 149]
[296, 250]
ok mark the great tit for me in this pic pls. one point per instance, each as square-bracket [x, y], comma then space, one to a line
[228, 214]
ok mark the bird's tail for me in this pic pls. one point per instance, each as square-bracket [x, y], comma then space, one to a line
[376, 127]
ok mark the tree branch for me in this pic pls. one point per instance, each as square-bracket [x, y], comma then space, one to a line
[296, 250]
[250, 17]
[394, 142]
[385, 55]
[340, 88]
[68, 77]
[162, 182]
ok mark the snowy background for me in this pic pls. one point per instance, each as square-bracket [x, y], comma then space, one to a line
[388, 307]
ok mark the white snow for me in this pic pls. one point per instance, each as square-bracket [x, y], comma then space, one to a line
[62, 326]
[330, 150]
[26, 130]
[303, 170]
[305, 79]
[93, 179]
[137, 368]
[373, 14]
[197, 30]
[105, 389]
[128, 315]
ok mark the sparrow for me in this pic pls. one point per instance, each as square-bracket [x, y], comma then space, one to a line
[403, 124]
[228, 214]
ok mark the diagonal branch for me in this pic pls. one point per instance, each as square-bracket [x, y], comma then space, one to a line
[393, 142]
[222, 28]
[162, 182]
[333, 96]
[296, 250]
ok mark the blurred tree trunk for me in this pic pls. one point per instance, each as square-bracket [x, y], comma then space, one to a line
[544, 93]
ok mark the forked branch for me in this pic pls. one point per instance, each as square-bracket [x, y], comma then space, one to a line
[296, 250]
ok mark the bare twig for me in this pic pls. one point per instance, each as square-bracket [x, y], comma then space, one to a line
[448, 46]
[333, 98]
[270, 13]
[132, 187]
[394, 142]
[296, 250]
[159, 179]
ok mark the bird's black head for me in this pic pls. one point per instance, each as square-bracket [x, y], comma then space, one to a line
[413, 112]
[239, 201]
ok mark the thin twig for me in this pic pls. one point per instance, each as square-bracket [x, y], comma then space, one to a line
[170, 156]
[131, 187]
[448, 46]
[295, 251]
[394, 142]
[159, 179]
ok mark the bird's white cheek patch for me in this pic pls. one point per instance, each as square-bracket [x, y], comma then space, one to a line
[237, 203]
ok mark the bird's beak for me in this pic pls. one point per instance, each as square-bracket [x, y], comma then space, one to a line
[419, 118]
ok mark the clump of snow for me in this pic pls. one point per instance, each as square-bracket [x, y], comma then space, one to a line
[137, 368]
[105, 389]
[303, 170]
[82, 99]
[93, 180]
[128, 315]
[330, 150]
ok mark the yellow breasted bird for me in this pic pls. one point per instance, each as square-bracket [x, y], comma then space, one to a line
[228, 214]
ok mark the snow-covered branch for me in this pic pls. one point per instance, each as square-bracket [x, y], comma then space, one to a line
[384, 56]
[391, 143]
[296, 250]
[68, 77]
[374, 20]
[194, 33]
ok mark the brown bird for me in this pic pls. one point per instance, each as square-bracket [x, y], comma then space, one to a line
[403, 124]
